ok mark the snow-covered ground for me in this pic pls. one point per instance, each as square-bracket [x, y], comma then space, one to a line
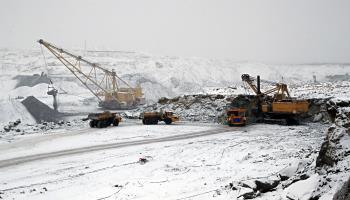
[185, 160]
[85, 136]
[337, 91]
[179, 169]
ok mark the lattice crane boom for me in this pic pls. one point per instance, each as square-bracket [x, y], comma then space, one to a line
[280, 88]
[98, 80]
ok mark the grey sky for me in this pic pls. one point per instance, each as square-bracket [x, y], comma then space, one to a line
[283, 31]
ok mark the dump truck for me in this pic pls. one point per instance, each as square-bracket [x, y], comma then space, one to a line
[236, 117]
[155, 117]
[104, 119]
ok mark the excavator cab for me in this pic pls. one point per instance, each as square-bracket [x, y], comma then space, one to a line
[236, 117]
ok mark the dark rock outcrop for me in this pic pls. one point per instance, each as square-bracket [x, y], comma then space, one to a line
[267, 184]
[335, 150]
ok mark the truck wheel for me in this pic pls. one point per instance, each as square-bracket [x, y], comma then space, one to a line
[92, 124]
[100, 124]
[108, 123]
[115, 122]
[167, 121]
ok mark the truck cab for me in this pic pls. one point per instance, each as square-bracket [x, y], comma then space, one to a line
[155, 117]
[170, 115]
[236, 117]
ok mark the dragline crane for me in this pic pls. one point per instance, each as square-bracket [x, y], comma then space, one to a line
[102, 83]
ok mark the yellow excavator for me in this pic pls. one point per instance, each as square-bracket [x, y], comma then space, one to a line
[111, 91]
[279, 108]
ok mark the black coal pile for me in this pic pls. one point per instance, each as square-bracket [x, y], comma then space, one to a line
[30, 81]
[40, 111]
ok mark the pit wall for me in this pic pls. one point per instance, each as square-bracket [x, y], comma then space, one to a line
[332, 161]
[212, 108]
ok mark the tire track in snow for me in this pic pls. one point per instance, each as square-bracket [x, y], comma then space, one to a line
[31, 158]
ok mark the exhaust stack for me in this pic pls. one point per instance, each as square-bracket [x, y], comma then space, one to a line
[258, 84]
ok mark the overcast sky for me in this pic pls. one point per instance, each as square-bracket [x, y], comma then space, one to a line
[282, 31]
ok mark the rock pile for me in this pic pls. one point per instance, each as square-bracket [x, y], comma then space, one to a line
[11, 130]
[212, 108]
[40, 111]
[12, 126]
[30, 81]
[207, 108]
[334, 156]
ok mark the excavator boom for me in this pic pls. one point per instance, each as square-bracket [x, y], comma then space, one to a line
[281, 107]
[249, 80]
[280, 88]
[98, 80]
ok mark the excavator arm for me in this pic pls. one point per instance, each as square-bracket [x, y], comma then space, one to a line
[280, 88]
[96, 79]
[249, 80]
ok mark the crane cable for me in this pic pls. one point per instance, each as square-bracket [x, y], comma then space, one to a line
[47, 70]
[46, 65]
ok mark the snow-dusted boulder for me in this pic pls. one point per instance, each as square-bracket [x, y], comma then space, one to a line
[248, 184]
[303, 190]
[289, 171]
[333, 159]
[247, 193]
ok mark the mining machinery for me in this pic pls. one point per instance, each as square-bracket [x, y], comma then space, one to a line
[104, 119]
[51, 90]
[104, 84]
[236, 117]
[279, 107]
[155, 117]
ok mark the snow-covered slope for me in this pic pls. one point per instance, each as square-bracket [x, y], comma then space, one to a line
[159, 76]
[269, 146]
[166, 76]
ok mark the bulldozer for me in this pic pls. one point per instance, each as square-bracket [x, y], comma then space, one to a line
[104, 119]
[236, 117]
[155, 117]
[279, 108]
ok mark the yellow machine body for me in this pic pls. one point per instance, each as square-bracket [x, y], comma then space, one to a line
[236, 117]
[155, 117]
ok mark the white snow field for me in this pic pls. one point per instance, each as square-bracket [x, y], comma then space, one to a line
[159, 76]
[194, 168]
[132, 161]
